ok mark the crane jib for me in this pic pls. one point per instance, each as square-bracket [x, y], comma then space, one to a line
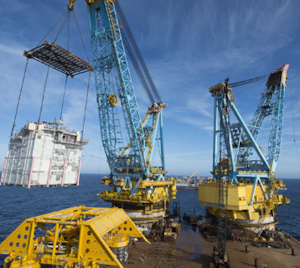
[108, 50]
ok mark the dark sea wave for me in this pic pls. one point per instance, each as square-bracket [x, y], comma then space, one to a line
[19, 203]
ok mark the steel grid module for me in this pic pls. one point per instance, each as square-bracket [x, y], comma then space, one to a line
[59, 59]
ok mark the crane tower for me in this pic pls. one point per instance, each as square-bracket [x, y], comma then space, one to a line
[248, 193]
[137, 186]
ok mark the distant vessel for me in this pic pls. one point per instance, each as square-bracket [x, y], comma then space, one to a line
[190, 184]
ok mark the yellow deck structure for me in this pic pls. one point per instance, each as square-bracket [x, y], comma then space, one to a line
[74, 237]
[145, 206]
[244, 208]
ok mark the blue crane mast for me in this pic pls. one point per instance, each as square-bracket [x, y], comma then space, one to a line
[239, 164]
[135, 182]
[243, 137]
[244, 189]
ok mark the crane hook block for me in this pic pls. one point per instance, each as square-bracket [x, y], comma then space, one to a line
[113, 99]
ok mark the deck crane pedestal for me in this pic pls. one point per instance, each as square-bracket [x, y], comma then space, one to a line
[243, 192]
[137, 186]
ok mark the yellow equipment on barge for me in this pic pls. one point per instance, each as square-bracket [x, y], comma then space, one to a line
[74, 237]
[239, 210]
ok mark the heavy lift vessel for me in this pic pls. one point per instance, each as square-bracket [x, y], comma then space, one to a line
[91, 237]
[244, 186]
[137, 185]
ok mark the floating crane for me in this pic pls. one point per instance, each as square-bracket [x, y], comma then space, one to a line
[137, 186]
[244, 186]
[89, 237]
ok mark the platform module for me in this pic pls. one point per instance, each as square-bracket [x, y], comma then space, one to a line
[46, 154]
[59, 59]
[74, 237]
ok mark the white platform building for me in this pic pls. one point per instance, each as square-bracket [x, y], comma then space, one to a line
[44, 155]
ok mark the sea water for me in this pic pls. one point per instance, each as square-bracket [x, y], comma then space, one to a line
[18, 204]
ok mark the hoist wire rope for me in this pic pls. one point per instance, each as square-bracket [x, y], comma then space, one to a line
[65, 87]
[159, 148]
[43, 97]
[84, 83]
[100, 156]
[91, 155]
[63, 100]
[240, 92]
[137, 51]
[244, 82]
[293, 121]
[14, 123]
[85, 107]
[53, 27]
[62, 26]
[137, 69]
[281, 159]
[68, 33]
[76, 22]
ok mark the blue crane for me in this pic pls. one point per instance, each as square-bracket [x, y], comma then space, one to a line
[243, 137]
[244, 189]
[134, 180]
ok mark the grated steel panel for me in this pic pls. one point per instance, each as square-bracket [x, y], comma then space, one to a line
[59, 59]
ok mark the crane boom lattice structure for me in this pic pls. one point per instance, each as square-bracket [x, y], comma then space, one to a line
[130, 160]
[244, 177]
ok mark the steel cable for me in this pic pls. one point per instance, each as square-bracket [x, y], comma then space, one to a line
[136, 49]
[63, 101]
[52, 28]
[137, 69]
[244, 82]
[81, 37]
[14, 123]
[45, 85]
[62, 26]
[85, 107]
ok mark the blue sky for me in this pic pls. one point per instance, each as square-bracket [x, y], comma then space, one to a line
[188, 45]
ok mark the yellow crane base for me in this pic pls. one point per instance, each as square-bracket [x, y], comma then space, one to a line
[145, 215]
[248, 206]
[145, 207]
[74, 237]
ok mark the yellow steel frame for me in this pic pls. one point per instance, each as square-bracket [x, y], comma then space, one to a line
[141, 197]
[74, 237]
[89, 2]
[239, 196]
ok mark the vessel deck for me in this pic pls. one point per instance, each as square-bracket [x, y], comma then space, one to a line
[192, 250]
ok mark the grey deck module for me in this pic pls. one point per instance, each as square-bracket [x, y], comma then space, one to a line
[48, 154]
